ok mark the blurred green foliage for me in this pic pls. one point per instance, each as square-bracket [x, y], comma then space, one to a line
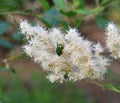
[64, 13]
[45, 5]
[8, 5]
[5, 43]
[40, 90]
[52, 17]
[3, 27]
[101, 22]
[60, 4]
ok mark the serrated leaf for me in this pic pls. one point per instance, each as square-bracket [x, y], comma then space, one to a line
[45, 5]
[60, 4]
[3, 27]
[52, 17]
[6, 44]
[101, 22]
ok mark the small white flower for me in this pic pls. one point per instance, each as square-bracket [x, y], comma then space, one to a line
[98, 48]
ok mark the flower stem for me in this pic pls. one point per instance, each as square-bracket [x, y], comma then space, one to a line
[111, 88]
[15, 57]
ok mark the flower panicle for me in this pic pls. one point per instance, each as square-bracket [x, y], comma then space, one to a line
[65, 56]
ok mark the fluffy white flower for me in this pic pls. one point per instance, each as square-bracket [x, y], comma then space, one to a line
[64, 56]
[113, 40]
[100, 62]
[56, 37]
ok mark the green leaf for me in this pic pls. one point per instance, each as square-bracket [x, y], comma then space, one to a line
[83, 11]
[82, 3]
[60, 4]
[79, 4]
[101, 22]
[52, 17]
[6, 7]
[6, 44]
[98, 10]
[68, 14]
[110, 86]
[3, 27]
[11, 2]
[16, 36]
[45, 5]
[45, 22]
[30, 9]
[105, 2]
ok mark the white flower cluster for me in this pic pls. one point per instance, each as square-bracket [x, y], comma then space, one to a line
[113, 40]
[65, 56]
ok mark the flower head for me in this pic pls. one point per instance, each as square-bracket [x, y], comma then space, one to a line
[64, 56]
[113, 40]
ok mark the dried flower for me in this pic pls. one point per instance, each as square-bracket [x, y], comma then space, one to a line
[64, 56]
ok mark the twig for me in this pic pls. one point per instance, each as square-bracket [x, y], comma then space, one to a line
[102, 86]
[15, 57]
[20, 13]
